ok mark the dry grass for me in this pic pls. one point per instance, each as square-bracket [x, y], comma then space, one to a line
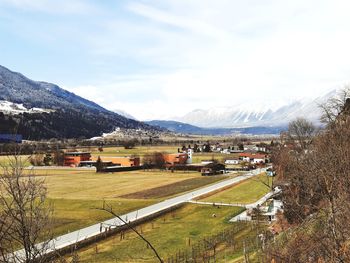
[174, 188]
[75, 193]
[95, 186]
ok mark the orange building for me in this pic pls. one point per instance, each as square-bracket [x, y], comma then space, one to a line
[175, 158]
[120, 161]
[74, 158]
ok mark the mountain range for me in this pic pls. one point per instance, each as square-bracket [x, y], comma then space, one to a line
[252, 116]
[180, 127]
[41, 110]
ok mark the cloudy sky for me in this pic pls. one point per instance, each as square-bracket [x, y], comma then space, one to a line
[161, 58]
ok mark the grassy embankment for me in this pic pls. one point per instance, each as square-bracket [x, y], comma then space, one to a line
[245, 192]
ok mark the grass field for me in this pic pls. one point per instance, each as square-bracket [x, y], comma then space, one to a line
[6, 160]
[139, 150]
[75, 194]
[245, 192]
[167, 233]
[108, 186]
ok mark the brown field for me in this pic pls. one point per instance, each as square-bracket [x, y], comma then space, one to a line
[174, 188]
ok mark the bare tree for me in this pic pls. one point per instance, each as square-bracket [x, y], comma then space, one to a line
[334, 106]
[24, 214]
[109, 209]
[155, 160]
[301, 132]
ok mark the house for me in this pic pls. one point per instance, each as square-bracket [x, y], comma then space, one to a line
[236, 149]
[74, 158]
[254, 158]
[272, 210]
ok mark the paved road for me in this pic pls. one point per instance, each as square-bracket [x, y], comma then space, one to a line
[94, 230]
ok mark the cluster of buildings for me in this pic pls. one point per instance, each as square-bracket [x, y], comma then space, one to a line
[245, 158]
[75, 159]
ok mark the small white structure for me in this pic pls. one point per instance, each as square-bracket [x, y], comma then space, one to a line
[232, 161]
[258, 160]
[274, 207]
[189, 156]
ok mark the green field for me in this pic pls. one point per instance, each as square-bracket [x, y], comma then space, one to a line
[168, 233]
[245, 192]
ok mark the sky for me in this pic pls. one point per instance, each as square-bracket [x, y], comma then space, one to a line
[157, 59]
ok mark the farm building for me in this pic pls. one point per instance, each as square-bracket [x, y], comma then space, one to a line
[213, 168]
[74, 158]
[124, 161]
[175, 158]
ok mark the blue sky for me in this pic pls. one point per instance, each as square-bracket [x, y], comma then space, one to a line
[163, 58]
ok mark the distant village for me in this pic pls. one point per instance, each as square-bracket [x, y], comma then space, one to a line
[241, 157]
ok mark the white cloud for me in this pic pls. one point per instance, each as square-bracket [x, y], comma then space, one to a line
[157, 59]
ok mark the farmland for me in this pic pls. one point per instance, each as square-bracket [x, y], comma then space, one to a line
[172, 231]
[84, 191]
[77, 194]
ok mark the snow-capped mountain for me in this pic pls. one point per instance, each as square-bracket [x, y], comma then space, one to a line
[255, 115]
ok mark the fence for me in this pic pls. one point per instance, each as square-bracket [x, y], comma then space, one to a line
[213, 248]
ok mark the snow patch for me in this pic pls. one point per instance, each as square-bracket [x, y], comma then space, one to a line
[8, 107]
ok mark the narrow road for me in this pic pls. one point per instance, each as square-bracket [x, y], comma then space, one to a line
[95, 230]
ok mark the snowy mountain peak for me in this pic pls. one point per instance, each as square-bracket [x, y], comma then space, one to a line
[264, 114]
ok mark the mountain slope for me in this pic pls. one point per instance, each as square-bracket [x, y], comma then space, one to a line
[69, 115]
